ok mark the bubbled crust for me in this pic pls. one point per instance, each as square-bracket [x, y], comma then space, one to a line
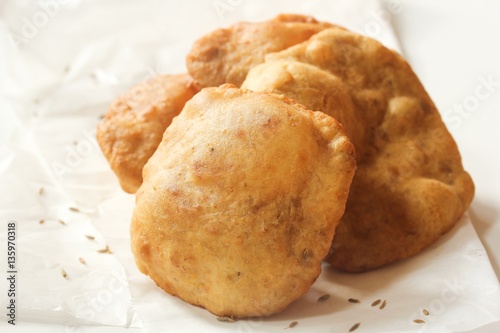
[135, 122]
[312, 87]
[410, 186]
[240, 201]
[226, 55]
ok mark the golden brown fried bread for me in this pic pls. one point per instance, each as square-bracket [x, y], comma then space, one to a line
[312, 87]
[410, 186]
[240, 201]
[226, 55]
[135, 122]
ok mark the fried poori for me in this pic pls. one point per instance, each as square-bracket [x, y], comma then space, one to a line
[312, 87]
[240, 201]
[410, 186]
[226, 55]
[135, 122]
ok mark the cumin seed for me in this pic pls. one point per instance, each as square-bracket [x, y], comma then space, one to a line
[63, 273]
[384, 303]
[426, 312]
[105, 250]
[305, 254]
[82, 261]
[419, 321]
[377, 302]
[354, 327]
[323, 298]
[354, 300]
[74, 209]
[90, 237]
[292, 324]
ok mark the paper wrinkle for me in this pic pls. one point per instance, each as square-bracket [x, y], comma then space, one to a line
[51, 238]
[61, 86]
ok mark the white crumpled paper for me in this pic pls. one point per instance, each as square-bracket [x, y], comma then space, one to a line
[59, 75]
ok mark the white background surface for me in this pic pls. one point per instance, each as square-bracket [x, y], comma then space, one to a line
[452, 46]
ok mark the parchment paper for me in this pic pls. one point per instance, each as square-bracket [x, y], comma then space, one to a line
[59, 76]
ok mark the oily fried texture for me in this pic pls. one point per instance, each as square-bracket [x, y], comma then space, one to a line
[240, 201]
[410, 186]
[312, 87]
[135, 122]
[226, 55]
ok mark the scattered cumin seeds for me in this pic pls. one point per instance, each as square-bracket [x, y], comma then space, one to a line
[63, 273]
[82, 261]
[42, 221]
[377, 302]
[292, 324]
[384, 303]
[62, 222]
[426, 312]
[90, 237]
[419, 321]
[226, 319]
[354, 300]
[354, 327]
[323, 298]
[74, 209]
[41, 190]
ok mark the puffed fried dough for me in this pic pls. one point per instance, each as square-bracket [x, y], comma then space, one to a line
[226, 55]
[135, 122]
[240, 201]
[312, 87]
[410, 186]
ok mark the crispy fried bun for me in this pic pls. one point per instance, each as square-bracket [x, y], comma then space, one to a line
[135, 122]
[226, 55]
[240, 201]
[410, 186]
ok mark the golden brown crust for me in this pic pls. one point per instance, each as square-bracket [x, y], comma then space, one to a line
[312, 87]
[240, 201]
[226, 55]
[135, 123]
[410, 186]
